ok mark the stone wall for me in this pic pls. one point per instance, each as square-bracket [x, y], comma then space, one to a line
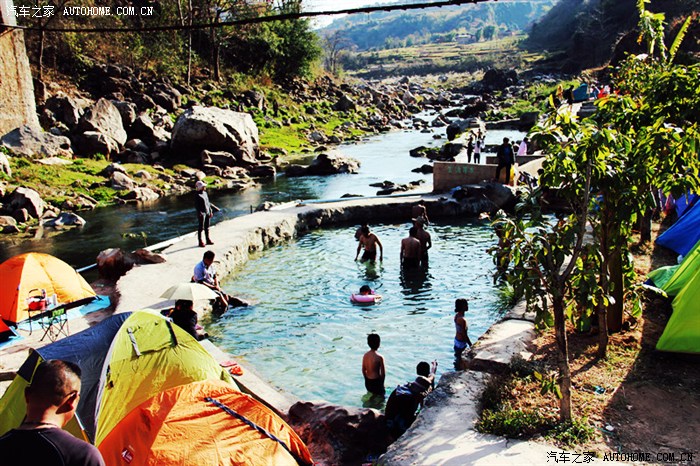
[17, 105]
[448, 175]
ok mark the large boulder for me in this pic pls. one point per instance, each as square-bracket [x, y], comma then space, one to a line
[121, 182]
[65, 109]
[326, 164]
[91, 143]
[25, 198]
[104, 118]
[65, 219]
[114, 263]
[339, 435]
[144, 128]
[140, 194]
[219, 158]
[217, 129]
[127, 110]
[32, 142]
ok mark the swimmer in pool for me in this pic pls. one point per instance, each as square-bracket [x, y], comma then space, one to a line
[373, 366]
[411, 250]
[369, 242]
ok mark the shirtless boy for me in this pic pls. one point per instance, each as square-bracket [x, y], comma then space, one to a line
[369, 242]
[411, 250]
[373, 366]
[461, 338]
[425, 241]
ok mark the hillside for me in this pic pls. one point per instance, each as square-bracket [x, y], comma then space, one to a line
[591, 33]
[466, 23]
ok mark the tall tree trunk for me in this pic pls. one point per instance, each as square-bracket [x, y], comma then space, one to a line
[189, 44]
[564, 371]
[602, 312]
[617, 292]
[645, 226]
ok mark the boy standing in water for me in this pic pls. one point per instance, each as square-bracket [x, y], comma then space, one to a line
[373, 366]
[461, 337]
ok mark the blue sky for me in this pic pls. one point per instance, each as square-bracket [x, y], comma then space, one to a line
[330, 5]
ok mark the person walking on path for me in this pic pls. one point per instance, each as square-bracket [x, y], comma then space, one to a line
[461, 337]
[522, 148]
[506, 159]
[478, 144]
[52, 399]
[470, 148]
[205, 210]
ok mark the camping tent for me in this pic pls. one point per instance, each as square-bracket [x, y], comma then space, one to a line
[672, 279]
[36, 271]
[148, 355]
[88, 350]
[682, 332]
[682, 235]
[203, 423]
[684, 202]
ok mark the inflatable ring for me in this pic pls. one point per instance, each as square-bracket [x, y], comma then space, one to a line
[365, 298]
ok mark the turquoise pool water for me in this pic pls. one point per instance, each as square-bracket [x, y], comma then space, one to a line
[304, 335]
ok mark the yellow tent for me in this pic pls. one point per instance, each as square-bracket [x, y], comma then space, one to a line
[27, 274]
[149, 354]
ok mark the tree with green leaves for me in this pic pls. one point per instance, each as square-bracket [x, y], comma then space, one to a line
[604, 168]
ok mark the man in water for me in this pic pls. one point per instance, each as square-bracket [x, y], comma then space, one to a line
[52, 399]
[461, 337]
[425, 242]
[205, 274]
[419, 211]
[369, 242]
[373, 366]
[411, 250]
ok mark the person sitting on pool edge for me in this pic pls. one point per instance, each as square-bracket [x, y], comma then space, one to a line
[205, 274]
[405, 401]
[184, 316]
[373, 367]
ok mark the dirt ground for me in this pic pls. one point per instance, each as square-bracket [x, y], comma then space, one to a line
[638, 399]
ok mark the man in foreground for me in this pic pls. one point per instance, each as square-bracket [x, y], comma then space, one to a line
[52, 399]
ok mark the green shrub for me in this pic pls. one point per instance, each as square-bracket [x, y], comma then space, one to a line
[513, 423]
[573, 433]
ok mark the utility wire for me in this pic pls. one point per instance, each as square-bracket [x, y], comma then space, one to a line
[261, 19]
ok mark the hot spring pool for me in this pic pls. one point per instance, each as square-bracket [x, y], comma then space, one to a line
[304, 335]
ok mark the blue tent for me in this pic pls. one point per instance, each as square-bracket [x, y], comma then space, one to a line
[683, 234]
[88, 349]
[685, 202]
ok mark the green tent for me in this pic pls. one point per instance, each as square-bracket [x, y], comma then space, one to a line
[674, 278]
[682, 333]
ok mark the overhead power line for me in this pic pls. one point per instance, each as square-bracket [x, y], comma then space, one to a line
[261, 19]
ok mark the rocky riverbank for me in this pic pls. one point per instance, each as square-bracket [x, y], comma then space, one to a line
[123, 136]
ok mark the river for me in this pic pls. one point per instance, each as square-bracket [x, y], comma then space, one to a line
[382, 157]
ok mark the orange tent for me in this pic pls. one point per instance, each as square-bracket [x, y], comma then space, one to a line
[203, 423]
[22, 274]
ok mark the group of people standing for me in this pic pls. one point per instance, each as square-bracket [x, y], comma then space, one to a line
[414, 248]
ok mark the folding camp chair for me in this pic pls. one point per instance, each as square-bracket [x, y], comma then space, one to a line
[55, 323]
